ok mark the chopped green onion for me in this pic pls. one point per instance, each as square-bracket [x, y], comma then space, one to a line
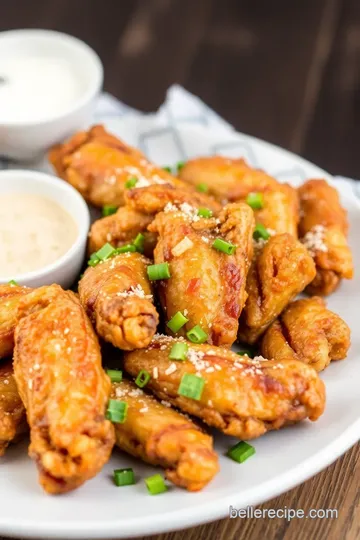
[155, 484]
[203, 188]
[109, 210]
[205, 212]
[124, 477]
[94, 260]
[241, 452]
[131, 182]
[261, 232]
[191, 386]
[180, 165]
[255, 200]
[13, 282]
[223, 246]
[197, 335]
[114, 374]
[168, 169]
[117, 411]
[139, 243]
[126, 248]
[158, 271]
[105, 252]
[143, 378]
[176, 322]
[246, 352]
[178, 351]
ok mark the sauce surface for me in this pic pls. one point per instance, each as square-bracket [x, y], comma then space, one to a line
[34, 232]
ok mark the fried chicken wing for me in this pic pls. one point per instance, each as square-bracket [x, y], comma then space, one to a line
[280, 270]
[10, 296]
[12, 411]
[242, 397]
[98, 165]
[162, 436]
[57, 366]
[323, 228]
[206, 285]
[226, 179]
[117, 297]
[309, 332]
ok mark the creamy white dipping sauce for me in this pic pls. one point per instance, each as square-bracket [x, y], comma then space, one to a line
[36, 87]
[34, 232]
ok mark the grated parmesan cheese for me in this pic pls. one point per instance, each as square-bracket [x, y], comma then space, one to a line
[314, 240]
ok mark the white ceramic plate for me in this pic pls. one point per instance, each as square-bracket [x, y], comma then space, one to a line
[283, 459]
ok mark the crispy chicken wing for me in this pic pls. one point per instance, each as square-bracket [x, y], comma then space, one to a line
[242, 397]
[98, 165]
[226, 179]
[12, 411]
[206, 285]
[10, 296]
[323, 229]
[58, 372]
[117, 297]
[280, 270]
[309, 332]
[161, 436]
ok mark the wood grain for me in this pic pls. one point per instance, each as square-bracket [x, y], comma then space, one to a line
[285, 71]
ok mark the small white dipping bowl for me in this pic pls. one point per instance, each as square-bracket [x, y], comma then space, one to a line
[67, 268]
[25, 139]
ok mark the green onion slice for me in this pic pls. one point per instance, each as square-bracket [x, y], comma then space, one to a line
[127, 248]
[180, 165]
[205, 212]
[139, 243]
[223, 246]
[117, 411]
[191, 386]
[155, 484]
[178, 351]
[109, 210]
[105, 252]
[143, 378]
[241, 452]
[158, 271]
[245, 352]
[197, 334]
[255, 200]
[131, 182]
[124, 477]
[13, 282]
[261, 232]
[176, 322]
[203, 188]
[94, 260]
[168, 169]
[114, 374]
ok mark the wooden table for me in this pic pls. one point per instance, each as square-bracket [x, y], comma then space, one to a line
[284, 71]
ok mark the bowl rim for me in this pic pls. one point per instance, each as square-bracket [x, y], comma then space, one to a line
[82, 222]
[89, 93]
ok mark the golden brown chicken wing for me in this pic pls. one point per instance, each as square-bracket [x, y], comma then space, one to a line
[280, 271]
[309, 332]
[240, 396]
[58, 372]
[99, 165]
[117, 297]
[10, 296]
[225, 178]
[161, 436]
[323, 229]
[206, 285]
[12, 411]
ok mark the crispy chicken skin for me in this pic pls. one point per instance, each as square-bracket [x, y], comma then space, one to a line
[309, 332]
[10, 296]
[279, 271]
[12, 411]
[117, 297]
[227, 179]
[98, 165]
[241, 397]
[208, 286]
[57, 366]
[162, 436]
[323, 228]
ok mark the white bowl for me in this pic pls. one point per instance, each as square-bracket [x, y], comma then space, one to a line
[67, 268]
[28, 139]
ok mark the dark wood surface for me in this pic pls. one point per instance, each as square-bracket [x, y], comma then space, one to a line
[288, 72]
